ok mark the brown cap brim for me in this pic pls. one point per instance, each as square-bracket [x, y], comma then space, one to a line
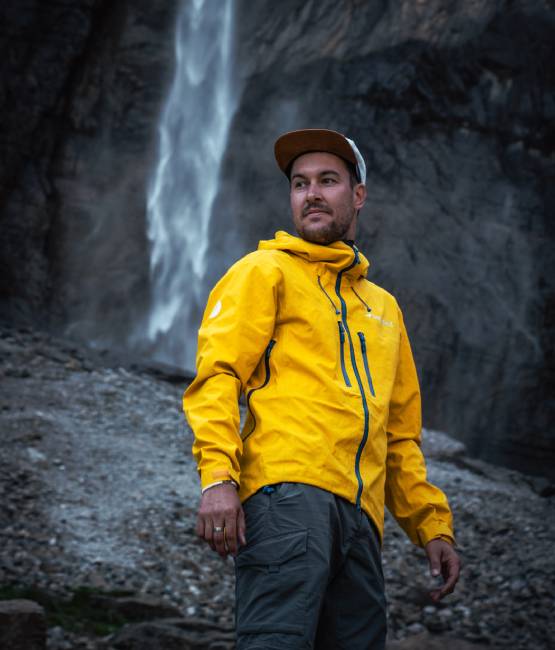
[293, 144]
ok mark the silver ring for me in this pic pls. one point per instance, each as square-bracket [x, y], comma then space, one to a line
[218, 529]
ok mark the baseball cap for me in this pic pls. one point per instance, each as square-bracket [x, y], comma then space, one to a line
[293, 144]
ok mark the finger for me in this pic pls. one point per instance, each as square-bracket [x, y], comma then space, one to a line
[208, 530]
[241, 528]
[218, 538]
[436, 595]
[451, 564]
[444, 591]
[199, 528]
[231, 534]
[435, 562]
[208, 535]
[452, 575]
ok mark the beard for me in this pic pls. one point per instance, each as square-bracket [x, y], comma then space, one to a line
[323, 233]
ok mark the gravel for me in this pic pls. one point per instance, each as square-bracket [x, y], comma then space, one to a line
[98, 489]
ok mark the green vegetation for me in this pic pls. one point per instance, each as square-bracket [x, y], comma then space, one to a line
[81, 613]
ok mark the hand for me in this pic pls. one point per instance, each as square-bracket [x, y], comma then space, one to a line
[443, 561]
[220, 507]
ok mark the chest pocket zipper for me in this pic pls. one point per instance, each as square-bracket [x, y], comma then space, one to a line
[264, 383]
[342, 353]
[365, 360]
[341, 335]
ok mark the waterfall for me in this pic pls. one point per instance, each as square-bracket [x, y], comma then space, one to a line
[192, 138]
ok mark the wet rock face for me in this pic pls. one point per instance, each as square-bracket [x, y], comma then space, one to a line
[43, 43]
[450, 102]
[82, 85]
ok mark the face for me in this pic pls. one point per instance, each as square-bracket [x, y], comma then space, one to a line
[323, 202]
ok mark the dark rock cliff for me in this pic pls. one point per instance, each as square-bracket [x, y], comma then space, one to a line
[452, 104]
[82, 88]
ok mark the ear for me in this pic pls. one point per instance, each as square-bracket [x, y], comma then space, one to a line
[359, 193]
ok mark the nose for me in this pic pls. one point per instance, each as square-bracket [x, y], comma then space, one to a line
[313, 191]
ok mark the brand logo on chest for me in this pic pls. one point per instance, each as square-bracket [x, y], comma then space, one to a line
[385, 323]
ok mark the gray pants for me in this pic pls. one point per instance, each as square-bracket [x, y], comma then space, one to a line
[310, 575]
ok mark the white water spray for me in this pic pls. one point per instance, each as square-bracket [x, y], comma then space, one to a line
[193, 135]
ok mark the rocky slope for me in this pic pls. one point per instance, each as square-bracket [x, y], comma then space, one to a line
[98, 491]
[451, 102]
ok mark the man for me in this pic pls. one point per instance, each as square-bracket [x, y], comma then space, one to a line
[333, 426]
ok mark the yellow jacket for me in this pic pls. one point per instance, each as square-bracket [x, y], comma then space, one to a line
[324, 361]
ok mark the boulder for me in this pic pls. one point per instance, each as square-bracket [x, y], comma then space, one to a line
[136, 608]
[172, 635]
[22, 625]
[441, 446]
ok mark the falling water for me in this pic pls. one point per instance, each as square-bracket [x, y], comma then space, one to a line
[193, 134]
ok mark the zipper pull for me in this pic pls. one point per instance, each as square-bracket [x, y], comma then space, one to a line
[362, 342]
[341, 332]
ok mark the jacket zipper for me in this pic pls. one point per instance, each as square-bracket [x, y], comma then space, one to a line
[365, 359]
[341, 335]
[267, 354]
[357, 375]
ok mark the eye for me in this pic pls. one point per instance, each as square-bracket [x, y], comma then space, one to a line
[328, 180]
[298, 184]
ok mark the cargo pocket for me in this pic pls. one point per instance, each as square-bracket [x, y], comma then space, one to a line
[270, 585]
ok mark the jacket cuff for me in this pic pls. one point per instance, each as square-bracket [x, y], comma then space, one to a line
[447, 538]
[213, 475]
[435, 530]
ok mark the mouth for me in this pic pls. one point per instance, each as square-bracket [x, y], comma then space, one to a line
[314, 210]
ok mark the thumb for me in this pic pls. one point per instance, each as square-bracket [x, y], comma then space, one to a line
[434, 558]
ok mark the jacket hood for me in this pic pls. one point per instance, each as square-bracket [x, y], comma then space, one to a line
[336, 256]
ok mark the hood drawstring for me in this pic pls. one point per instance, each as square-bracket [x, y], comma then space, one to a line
[361, 300]
[337, 312]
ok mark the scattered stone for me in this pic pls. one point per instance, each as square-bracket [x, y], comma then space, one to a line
[22, 625]
[74, 364]
[36, 456]
[427, 641]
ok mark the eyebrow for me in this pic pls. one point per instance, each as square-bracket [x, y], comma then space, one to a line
[322, 173]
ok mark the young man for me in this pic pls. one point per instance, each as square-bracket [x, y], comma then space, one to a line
[333, 421]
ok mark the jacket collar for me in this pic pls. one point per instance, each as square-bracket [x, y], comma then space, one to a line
[337, 256]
